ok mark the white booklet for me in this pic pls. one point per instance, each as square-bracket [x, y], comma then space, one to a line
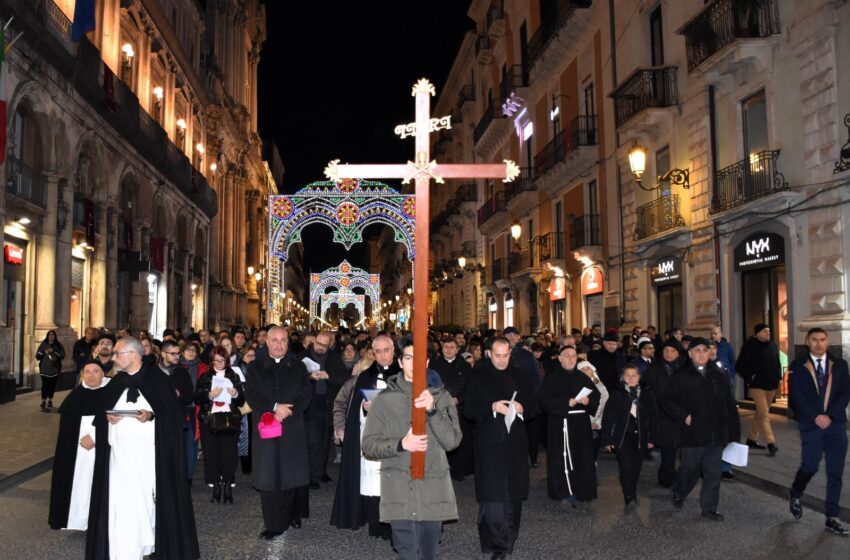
[736, 454]
[585, 392]
[311, 365]
[511, 415]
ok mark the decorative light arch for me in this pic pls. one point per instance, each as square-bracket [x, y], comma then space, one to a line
[347, 206]
[345, 277]
[343, 299]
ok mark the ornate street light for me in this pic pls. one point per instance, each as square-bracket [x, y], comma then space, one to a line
[516, 231]
[461, 261]
[637, 163]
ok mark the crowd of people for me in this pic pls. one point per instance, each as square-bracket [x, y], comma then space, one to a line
[284, 406]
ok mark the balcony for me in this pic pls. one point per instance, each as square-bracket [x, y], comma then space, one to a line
[490, 129]
[483, 49]
[581, 132]
[521, 193]
[499, 270]
[465, 193]
[724, 22]
[469, 249]
[585, 232]
[58, 24]
[25, 182]
[659, 216]
[645, 88]
[513, 89]
[492, 207]
[559, 31]
[496, 19]
[550, 246]
[747, 180]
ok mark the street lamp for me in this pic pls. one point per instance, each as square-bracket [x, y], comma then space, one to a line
[461, 261]
[637, 163]
[516, 231]
[250, 271]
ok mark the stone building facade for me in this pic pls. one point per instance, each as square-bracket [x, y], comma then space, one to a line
[741, 214]
[132, 166]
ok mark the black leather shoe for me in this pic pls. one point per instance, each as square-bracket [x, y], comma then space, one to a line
[833, 526]
[772, 449]
[498, 555]
[728, 475]
[216, 497]
[326, 478]
[713, 515]
[269, 535]
[314, 485]
[755, 445]
[228, 493]
[678, 502]
[795, 507]
[295, 522]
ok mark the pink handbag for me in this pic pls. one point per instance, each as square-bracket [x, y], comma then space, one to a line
[269, 427]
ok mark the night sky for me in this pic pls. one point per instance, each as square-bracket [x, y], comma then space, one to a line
[334, 80]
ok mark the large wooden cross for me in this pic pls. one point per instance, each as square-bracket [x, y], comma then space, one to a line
[422, 170]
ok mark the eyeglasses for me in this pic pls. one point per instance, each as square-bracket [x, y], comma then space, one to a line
[123, 352]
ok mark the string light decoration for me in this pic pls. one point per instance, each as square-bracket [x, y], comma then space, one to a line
[347, 206]
[344, 278]
[343, 299]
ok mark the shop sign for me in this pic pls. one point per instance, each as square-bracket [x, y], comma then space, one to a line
[557, 288]
[592, 282]
[667, 270]
[760, 250]
[13, 254]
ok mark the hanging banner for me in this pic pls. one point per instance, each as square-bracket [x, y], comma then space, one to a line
[666, 270]
[557, 288]
[88, 206]
[760, 250]
[157, 254]
[13, 254]
[592, 282]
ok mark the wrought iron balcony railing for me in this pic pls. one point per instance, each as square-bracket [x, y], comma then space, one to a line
[580, 132]
[493, 112]
[516, 77]
[523, 183]
[469, 249]
[545, 245]
[585, 232]
[645, 88]
[724, 21]
[467, 93]
[499, 270]
[747, 180]
[493, 206]
[660, 215]
[551, 22]
[25, 182]
[466, 193]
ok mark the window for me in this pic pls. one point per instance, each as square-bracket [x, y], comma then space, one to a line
[559, 230]
[662, 166]
[656, 37]
[523, 48]
[592, 199]
[589, 100]
[755, 124]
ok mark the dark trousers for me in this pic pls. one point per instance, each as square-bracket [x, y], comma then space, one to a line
[830, 443]
[629, 460]
[317, 423]
[277, 508]
[220, 455]
[48, 386]
[532, 431]
[698, 461]
[498, 525]
[461, 459]
[667, 469]
[416, 540]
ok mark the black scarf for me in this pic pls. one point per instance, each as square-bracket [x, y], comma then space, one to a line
[132, 384]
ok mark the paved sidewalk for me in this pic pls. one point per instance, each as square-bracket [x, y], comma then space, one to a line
[28, 436]
[775, 474]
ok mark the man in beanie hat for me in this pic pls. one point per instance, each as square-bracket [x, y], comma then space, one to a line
[758, 363]
[656, 378]
[698, 398]
[609, 361]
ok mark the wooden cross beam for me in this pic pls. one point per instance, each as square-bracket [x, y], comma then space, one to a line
[422, 170]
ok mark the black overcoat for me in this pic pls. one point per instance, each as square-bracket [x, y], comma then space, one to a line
[176, 535]
[501, 458]
[279, 463]
[615, 418]
[656, 379]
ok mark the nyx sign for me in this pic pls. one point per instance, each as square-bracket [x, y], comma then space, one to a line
[667, 270]
[760, 250]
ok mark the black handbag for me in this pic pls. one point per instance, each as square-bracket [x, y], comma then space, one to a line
[225, 423]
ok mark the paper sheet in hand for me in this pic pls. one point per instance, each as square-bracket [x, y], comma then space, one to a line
[225, 384]
[312, 366]
[736, 454]
[585, 392]
[370, 394]
[511, 415]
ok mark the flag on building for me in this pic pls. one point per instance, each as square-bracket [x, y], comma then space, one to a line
[83, 19]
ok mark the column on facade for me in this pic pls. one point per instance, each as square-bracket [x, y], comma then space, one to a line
[188, 302]
[226, 232]
[144, 72]
[45, 284]
[98, 290]
[231, 50]
[254, 61]
[111, 268]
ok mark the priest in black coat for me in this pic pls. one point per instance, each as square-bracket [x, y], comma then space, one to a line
[278, 383]
[138, 387]
[352, 510]
[73, 461]
[609, 361]
[454, 371]
[569, 431]
[656, 378]
[501, 456]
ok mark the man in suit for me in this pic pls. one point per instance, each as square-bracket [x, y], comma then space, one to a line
[819, 390]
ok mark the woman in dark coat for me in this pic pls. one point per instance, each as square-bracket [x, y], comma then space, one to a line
[220, 451]
[73, 462]
[571, 464]
[49, 356]
[628, 428]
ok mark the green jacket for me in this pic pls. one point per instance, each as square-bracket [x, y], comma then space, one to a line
[429, 499]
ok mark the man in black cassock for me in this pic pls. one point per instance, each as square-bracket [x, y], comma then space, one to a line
[278, 383]
[454, 372]
[351, 509]
[148, 390]
[501, 456]
[609, 361]
[571, 462]
[656, 378]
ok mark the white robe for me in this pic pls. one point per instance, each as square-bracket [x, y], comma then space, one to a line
[132, 484]
[370, 471]
[78, 512]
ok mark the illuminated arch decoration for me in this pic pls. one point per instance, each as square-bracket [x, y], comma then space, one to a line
[347, 207]
[343, 298]
[341, 278]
